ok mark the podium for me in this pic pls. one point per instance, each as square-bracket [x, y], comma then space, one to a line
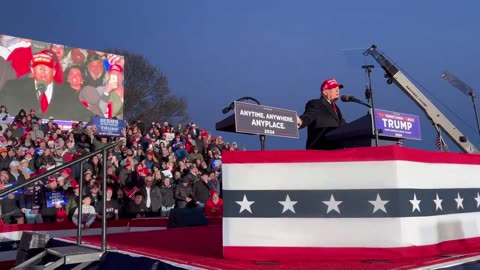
[358, 133]
[228, 125]
[260, 120]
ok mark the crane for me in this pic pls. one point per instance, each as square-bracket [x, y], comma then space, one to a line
[439, 120]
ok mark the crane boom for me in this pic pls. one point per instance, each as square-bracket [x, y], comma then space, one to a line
[433, 113]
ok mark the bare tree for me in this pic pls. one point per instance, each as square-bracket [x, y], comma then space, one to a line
[147, 95]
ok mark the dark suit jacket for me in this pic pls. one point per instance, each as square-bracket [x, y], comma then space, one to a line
[155, 197]
[64, 105]
[320, 119]
[194, 135]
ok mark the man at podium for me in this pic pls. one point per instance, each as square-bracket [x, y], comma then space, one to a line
[322, 116]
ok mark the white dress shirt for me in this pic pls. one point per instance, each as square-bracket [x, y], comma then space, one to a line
[149, 201]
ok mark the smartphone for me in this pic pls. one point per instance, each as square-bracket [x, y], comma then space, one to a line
[114, 78]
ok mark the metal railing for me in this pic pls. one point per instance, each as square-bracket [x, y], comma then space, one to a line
[80, 160]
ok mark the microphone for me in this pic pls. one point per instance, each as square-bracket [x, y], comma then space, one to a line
[347, 98]
[41, 86]
[229, 108]
[232, 105]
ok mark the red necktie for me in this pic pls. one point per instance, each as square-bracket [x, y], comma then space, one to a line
[43, 102]
[334, 108]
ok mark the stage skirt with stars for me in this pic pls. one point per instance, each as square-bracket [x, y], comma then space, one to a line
[372, 203]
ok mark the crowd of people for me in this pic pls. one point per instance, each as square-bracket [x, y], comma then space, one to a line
[154, 169]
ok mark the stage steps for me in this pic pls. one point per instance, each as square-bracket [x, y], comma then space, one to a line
[78, 257]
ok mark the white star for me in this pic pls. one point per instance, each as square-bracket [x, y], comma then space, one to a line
[459, 201]
[478, 199]
[438, 203]
[378, 204]
[332, 204]
[288, 205]
[415, 203]
[245, 204]
[14, 245]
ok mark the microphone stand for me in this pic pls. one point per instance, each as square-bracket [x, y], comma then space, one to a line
[231, 107]
[369, 97]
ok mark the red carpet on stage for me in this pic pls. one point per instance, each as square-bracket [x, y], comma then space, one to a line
[202, 247]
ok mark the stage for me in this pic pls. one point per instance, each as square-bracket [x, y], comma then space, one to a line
[419, 210]
[201, 248]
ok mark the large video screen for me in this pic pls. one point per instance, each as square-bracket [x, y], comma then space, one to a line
[54, 80]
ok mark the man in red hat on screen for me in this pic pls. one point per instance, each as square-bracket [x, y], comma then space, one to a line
[322, 116]
[40, 92]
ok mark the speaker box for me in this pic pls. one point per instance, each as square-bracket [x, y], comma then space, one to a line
[30, 245]
[187, 217]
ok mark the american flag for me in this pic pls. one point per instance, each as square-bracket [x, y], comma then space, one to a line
[438, 141]
[113, 58]
[132, 192]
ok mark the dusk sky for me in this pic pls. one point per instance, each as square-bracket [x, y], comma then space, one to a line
[279, 52]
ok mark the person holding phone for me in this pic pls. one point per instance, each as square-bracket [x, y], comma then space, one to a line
[106, 100]
[112, 100]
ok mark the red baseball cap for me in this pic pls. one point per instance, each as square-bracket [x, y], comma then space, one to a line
[66, 171]
[43, 58]
[329, 84]
[74, 183]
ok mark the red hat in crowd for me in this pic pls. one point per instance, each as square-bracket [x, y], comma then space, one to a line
[74, 184]
[51, 180]
[109, 189]
[115, 67]
[67, 171]
[213, 192]
[330, 84]
[68, 157]
[43, 58]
